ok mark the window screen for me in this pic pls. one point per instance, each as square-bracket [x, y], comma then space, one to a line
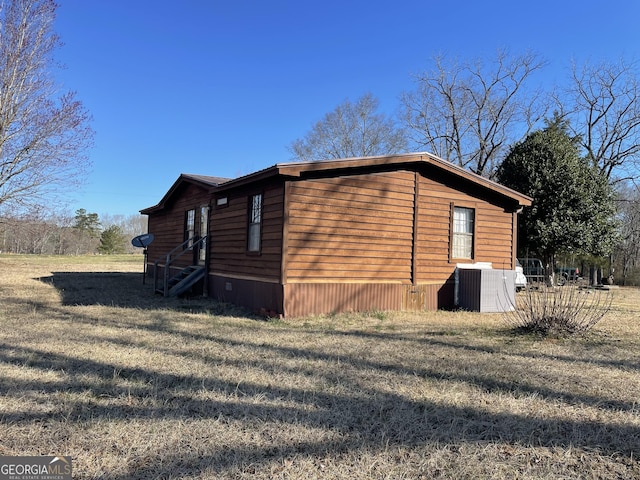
[189, 226]
[255, 221]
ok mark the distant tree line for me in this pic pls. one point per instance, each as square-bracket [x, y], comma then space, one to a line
[80, 234]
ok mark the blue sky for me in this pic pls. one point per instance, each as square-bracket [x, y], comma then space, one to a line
[222, 88]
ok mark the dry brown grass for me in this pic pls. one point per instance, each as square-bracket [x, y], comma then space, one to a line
[130, 385]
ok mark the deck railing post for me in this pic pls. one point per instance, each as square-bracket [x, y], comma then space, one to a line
[205, 282]
[165, 283]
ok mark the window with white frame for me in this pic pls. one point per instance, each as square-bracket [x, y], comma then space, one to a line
[463, 228]
[255, 222]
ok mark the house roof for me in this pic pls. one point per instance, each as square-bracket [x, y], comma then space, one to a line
[304, 169]
[205, 181]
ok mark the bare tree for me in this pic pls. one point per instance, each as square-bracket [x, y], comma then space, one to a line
[469, 113]
[43, 136]
[33, 233]
[351, 130]
[603, 105]
[129, 225]
[626, 257]
[64, 241]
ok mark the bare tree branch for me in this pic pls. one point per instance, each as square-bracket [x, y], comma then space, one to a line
[350, 130]
[470, 113]
[603, 105]
[43, 136]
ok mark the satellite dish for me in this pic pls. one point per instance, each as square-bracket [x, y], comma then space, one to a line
[142, 241]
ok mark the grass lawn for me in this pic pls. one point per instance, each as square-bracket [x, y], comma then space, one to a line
[132, 385]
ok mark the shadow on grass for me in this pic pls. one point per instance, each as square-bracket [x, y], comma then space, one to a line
[429, 338]
[126, 290]
[360, 417]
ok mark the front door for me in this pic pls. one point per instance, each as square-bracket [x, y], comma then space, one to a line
[204, 231]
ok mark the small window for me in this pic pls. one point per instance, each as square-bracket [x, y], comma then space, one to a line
[255, 221]
[222, 201]
[463, 228]
[189, 227]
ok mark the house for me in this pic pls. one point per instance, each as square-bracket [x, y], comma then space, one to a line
[358, 234]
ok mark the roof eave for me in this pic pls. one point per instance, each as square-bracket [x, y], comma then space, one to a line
[269, 172]
[523, 200]
[296, 169]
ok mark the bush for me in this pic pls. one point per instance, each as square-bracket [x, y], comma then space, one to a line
[558, 311]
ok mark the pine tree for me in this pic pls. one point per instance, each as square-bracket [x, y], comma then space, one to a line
[112, 241]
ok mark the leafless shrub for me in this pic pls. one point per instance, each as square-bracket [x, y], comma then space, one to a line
[559, 311]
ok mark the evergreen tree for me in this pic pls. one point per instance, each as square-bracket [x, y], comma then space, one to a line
[88, 223]
[573, 209]
[112, 241]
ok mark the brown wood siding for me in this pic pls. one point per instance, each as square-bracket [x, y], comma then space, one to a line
[332, 241]
[350, 229]
[168, 225]
[494, 236]
[493, 240]
[229, 228]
